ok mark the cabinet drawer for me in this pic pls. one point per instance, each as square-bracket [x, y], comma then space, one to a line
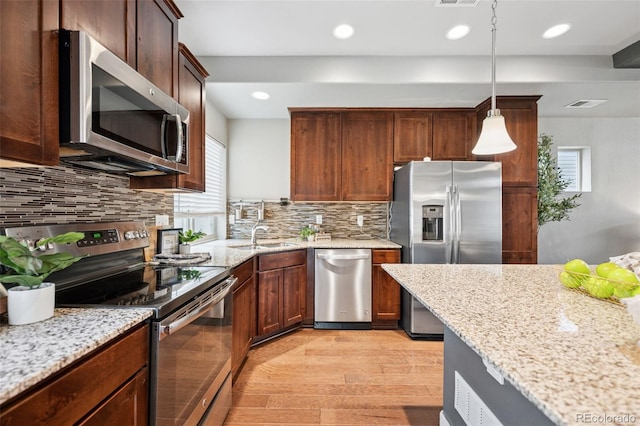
[281, 260]
[386, 256]
[71, 395]
[243, 271]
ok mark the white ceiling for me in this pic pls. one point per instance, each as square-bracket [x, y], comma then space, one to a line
[399, 56]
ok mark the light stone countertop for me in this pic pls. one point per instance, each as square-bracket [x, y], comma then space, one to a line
[223, 254]
[30, 353]
[566, 352]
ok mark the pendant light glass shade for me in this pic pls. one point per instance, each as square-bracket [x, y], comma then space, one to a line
[494, 138]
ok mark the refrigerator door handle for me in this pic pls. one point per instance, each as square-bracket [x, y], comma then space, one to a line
[449, 222]
[458, 224]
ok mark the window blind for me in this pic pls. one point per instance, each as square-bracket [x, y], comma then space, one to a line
[569, 162]
[212, 201]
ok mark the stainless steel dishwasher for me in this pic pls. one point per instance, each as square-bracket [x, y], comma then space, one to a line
[342, 289]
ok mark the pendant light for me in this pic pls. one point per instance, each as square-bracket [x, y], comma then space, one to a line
[494, 138]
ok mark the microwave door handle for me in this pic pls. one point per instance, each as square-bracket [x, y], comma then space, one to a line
[179, 136]
[165, 142]
[163, 136]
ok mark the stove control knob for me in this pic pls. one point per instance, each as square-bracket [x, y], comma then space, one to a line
[129, 235]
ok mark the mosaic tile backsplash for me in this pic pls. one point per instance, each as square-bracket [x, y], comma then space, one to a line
[285, 221]
[47, 195]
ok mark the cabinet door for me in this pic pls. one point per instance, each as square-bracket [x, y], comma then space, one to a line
[386, 295]
[157, 46]
[452, 135]
[110, 22]
[294, 294]
[315, 157]
[242, 327]
[191, 95]
[367, 156]
[29, 84]
[385, 291]
[520, 167]
[128, 406]
[412, 136]
[519, 224]
[269, 301]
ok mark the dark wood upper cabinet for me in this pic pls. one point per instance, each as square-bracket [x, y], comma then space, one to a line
[29, 128]
[412, 136]
[157, 43]
[316, 166]
[519, 167]
[367, 156]
[110, 23]
[453, 132]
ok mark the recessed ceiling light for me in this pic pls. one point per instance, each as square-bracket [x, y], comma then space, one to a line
[343, 31]
[457, 32]
[556, 30]
[262, 96]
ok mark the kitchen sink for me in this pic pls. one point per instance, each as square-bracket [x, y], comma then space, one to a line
[262, 246]
[280, 244]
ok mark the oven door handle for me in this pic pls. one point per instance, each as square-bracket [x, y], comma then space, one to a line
[173, 327]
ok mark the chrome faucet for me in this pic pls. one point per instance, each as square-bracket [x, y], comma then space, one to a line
[254, 229]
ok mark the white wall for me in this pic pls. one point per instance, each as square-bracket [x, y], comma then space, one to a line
[608, 221]
[258, 153]
[216, 124]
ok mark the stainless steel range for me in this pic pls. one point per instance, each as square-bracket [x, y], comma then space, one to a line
[190, 365]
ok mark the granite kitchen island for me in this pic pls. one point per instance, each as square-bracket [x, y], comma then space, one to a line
[565, 357]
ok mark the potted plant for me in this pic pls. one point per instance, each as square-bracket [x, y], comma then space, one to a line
[308, 233]
[33, 299]
[553, 206]
[186, 238]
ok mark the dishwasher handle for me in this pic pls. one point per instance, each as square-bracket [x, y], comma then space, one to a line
[343, 256]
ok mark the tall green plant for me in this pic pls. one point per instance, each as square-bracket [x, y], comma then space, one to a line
[552, 207]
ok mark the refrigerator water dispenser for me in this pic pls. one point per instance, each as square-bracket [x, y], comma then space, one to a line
[432, 219]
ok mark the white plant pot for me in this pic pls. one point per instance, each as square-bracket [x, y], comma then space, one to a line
[185, 248]
[26, 305]
[310, 238]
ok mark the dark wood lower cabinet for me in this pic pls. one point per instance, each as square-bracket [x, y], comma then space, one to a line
[282, 282]
[109, 386]
[519, 224]
[385, 297]
[244, 317]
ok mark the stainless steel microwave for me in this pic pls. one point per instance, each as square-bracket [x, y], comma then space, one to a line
[112, 118]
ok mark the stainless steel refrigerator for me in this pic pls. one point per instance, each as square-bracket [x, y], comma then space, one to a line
[445, 212]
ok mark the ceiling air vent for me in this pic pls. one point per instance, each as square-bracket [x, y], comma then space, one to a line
[440, 3]
[585, 103]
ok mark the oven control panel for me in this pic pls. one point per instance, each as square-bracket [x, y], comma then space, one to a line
[93, 238]
[99, 238]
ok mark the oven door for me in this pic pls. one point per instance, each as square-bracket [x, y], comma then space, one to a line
[191, 359]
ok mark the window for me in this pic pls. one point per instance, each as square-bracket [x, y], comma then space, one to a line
[206, 211]
[575, 165]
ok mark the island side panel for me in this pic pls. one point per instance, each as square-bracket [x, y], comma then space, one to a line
[504, 401]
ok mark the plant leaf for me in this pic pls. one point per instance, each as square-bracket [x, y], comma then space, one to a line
[67, 238]
[25, 280]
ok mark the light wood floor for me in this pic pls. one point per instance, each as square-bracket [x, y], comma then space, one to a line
[340, 377]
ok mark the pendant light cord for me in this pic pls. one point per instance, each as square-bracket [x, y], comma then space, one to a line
[494, 21]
